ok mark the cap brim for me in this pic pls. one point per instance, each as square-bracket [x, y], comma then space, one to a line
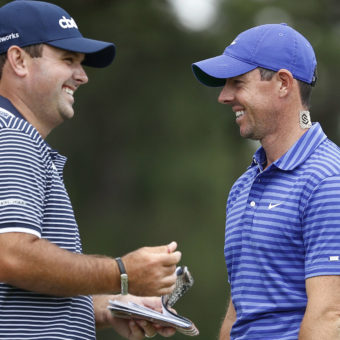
[214, 71]
[97, 53]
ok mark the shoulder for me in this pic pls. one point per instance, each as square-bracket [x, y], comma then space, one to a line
[324, 161]
[20, 140]
[13, 126]
[319, 176]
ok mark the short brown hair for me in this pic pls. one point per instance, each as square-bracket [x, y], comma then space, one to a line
[305, 89]
[35, 51]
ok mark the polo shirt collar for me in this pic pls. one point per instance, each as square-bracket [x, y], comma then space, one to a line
[298, 153]
[8, 106]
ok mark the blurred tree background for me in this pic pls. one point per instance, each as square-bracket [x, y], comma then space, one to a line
[152, 155]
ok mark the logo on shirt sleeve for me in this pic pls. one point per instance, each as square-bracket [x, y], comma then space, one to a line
[12, 201]
[334, 258]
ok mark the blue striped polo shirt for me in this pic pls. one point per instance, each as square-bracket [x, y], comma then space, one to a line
[282, 227]
[33, 200]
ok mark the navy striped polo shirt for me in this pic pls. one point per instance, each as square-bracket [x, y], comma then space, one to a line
[282, 227]
[33, 200]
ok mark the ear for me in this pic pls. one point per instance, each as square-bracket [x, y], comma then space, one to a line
[286, 80]
[17, 59]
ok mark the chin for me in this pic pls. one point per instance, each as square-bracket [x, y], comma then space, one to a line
[249, 134]
[66, 115]
[245, 134]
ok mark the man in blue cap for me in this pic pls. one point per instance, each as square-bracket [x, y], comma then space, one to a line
[282, 237]
[48, 288]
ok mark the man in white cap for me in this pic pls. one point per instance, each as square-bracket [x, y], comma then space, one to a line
[48, 288]
[282, 237]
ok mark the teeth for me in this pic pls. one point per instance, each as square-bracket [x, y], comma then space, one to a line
[69, 91]
[239, 113]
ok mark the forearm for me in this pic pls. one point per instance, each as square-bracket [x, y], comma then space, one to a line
[325, 327]
[43, 267]
[38, 265]
[322, 316]
[226, 328]
[228, 322]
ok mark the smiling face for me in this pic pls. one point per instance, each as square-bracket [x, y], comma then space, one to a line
[254, 102]
[53, 79]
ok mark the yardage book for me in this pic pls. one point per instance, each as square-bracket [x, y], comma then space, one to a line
[130, 310]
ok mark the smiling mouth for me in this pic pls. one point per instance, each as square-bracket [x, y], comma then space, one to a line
[239, 113]
[69, 91]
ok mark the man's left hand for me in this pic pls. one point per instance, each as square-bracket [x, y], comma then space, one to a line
[129, 329]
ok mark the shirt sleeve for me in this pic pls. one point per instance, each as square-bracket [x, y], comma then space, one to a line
[22, 183]
[321, 229]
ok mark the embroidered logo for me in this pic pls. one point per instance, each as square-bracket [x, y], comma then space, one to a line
[5, 114]
[12, 201]
[334, 258]
[9, 37]
[67, 23]
[272, 206]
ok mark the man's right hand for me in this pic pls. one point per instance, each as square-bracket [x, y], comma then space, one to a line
[151, 270]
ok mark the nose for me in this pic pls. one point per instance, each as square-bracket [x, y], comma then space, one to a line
[80, 75]
[227, 94]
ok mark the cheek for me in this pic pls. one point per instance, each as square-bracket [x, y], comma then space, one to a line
[45, 84]
[264, 99]
[45, 78]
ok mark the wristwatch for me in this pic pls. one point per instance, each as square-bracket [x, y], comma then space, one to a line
[124, 281]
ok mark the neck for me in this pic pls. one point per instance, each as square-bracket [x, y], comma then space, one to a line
[25, 111]
[277, 144]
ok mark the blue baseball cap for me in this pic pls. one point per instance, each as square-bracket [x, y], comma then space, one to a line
[271, 46]
[29, 22]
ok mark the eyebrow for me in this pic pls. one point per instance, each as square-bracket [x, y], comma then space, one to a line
[77, 55]
[240, 77]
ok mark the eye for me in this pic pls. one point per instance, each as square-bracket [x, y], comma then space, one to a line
[238, 82]
[69, 60]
